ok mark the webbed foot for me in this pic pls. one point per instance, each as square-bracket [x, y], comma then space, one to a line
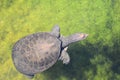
[65, 56]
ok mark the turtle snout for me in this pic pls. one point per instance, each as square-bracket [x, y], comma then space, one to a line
[83, 36]
[80, 36]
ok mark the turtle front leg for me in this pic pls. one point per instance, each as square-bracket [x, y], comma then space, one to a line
[65, 56]
[56, 31]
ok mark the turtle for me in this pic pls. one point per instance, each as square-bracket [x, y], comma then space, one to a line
[39, 51]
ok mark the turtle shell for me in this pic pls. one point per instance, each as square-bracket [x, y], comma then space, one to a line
[36, 53]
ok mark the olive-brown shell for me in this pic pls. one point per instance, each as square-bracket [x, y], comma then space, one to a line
[36, 53]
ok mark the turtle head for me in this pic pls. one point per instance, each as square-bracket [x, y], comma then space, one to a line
[77, 37]
[73, 38]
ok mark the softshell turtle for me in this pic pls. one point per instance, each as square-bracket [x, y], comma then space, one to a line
[37, 52]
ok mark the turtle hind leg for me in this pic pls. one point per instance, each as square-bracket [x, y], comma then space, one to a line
[29, 76]
[65, 57]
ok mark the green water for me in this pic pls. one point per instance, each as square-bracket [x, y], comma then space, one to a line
[96, 58]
